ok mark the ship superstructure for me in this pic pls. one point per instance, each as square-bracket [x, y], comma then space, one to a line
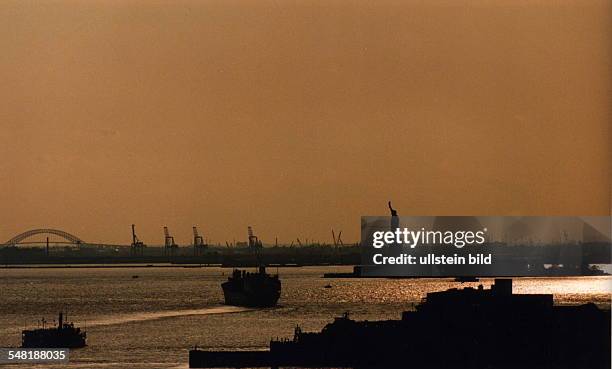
[258, 289]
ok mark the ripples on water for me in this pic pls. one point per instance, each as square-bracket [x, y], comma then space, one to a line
[152, 321]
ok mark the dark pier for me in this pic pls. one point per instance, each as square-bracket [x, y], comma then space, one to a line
[473, 328]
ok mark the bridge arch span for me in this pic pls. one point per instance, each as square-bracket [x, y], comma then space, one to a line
[65, 235]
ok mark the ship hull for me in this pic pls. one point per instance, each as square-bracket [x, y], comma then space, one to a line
[52, 340]
[268, 298]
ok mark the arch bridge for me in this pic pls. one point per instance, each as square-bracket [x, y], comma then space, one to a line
[22, 236]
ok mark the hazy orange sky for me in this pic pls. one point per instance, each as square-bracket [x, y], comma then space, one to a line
[296, 117]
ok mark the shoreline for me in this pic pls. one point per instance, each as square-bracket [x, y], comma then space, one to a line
[164, 265]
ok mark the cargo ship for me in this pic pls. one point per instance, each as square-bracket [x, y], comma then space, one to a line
[473, 328]
[64, 335]
[248, 289]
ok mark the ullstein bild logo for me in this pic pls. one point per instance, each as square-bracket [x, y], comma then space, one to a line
[455, 246]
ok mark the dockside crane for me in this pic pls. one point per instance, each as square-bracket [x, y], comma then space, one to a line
[254, 242]
[339, 240]
[198, 243]
[137, 246]
[169, 245]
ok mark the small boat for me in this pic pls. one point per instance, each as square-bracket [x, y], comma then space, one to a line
[65, 335]
[327, 286]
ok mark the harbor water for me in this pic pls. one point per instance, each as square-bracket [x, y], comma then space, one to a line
[150, 317]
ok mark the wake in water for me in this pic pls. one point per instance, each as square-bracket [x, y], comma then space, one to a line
[138, 317]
